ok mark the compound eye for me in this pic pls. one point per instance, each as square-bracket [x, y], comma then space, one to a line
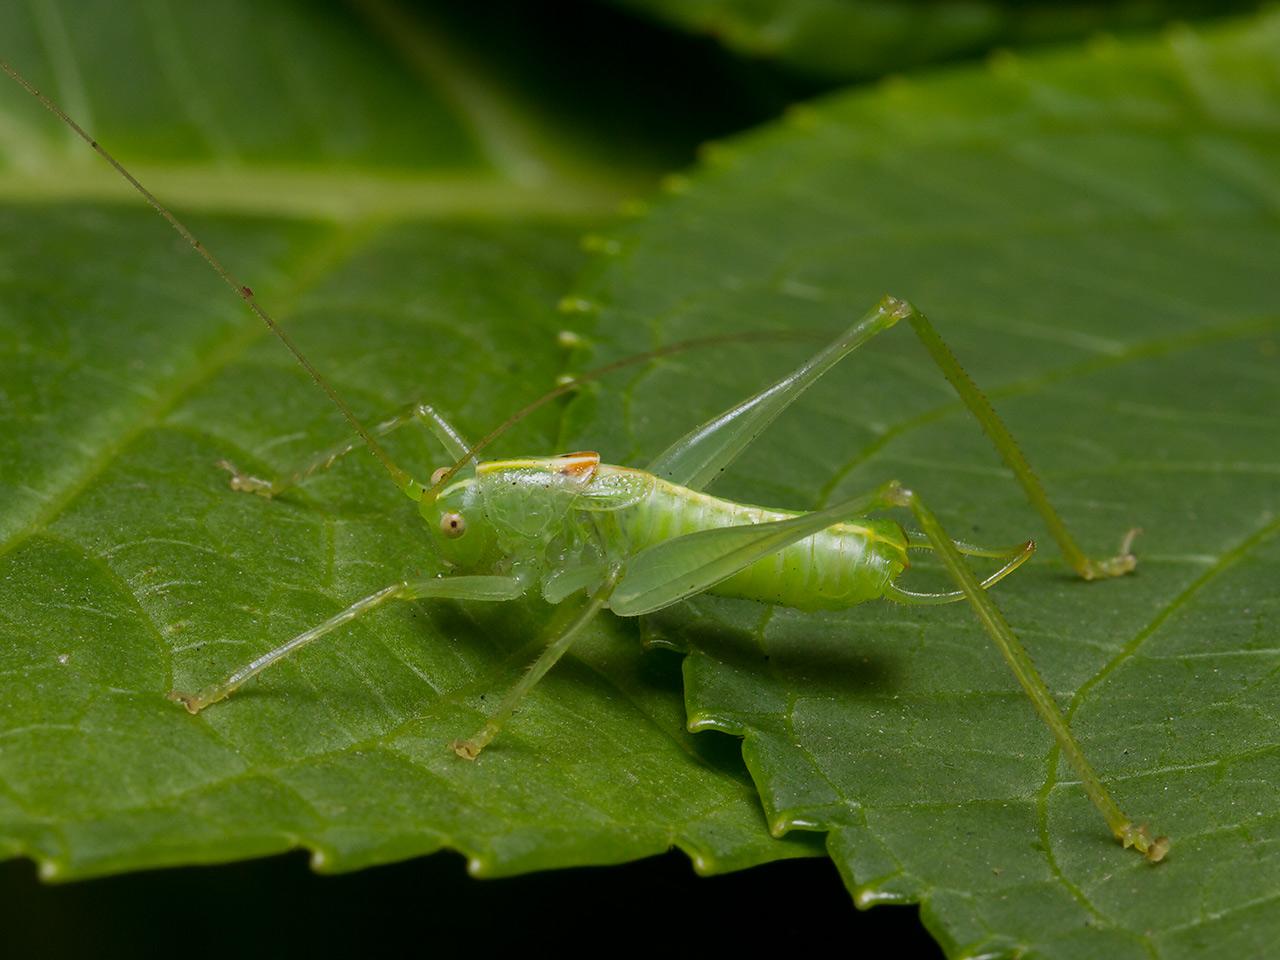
[452, 525]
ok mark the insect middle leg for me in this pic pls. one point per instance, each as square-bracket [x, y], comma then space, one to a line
[566, 631]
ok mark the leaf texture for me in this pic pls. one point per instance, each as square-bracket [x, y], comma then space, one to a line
[1095, 234]
[413, 223]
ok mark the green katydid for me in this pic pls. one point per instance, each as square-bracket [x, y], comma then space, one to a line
[635, 541]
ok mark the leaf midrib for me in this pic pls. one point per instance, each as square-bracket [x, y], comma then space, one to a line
[333, 247]
[342, 195]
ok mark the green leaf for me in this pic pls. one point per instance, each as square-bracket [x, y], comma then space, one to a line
[413, 224]
[855, 39]
[1095, 234]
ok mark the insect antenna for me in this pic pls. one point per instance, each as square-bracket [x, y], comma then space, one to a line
[244, 292]
[442, 478]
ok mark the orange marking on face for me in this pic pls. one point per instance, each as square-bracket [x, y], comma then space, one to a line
[580, 464]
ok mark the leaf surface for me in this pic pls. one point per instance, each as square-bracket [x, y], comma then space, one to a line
[1095, 234]
[413, 259]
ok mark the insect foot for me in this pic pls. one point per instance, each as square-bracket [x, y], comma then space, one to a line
[470, 748]
[1140, 839]
[245, 483]
[1122, 563]
[194, 702]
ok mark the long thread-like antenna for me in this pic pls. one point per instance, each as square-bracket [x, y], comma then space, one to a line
[572, 383]
[245, 293]
[401, 478]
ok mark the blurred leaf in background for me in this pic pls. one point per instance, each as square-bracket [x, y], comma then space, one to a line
[843, 40]
[408, 186]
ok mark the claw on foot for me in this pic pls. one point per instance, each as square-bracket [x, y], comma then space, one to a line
[192, 701]
[195, 702]
[1140, 839]
[1122, 563]
[244, 482]
[470, 748]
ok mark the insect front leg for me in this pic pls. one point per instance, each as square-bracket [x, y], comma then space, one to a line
[445, 588]
[1015, 654]
[419, 413]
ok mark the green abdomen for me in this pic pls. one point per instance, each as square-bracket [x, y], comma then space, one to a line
[843, 565]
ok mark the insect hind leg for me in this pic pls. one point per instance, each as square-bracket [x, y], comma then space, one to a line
[697, 458]
[1007, 447]
[998, 629]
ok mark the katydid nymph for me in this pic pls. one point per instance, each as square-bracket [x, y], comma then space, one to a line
[633, 541]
